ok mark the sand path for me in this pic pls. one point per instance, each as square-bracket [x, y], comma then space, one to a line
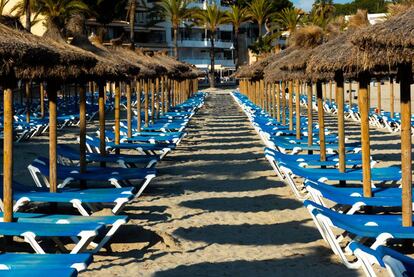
[218, 210]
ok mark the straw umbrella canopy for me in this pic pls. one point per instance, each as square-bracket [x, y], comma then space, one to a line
[26, 56]
[396, 38]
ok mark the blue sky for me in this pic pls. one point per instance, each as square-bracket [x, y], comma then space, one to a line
[307, 4]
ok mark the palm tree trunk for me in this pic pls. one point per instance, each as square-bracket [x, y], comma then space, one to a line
[236, 47]
[260, 29]
[175, 43]
[211, 75]
[28, 14]
[133, 7]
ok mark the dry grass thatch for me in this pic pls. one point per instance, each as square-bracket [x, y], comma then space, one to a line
[396, 32]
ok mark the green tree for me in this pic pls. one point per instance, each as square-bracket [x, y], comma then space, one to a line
[25, 8]
[58, 12]
[236, 16]
[260, 11]
[175, 11]
[211, 18]
[289, 19]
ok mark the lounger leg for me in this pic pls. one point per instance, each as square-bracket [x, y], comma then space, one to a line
[86, 238]
[77, 204]
[109, 234]
[30, 238]
[120, 204]
[145, 184]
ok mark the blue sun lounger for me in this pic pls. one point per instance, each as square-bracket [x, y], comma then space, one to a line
[397, 264]
[84, 200]
[111, 222]
[31, 232]
[380, 228]
[39, 272]
[382, 197]
[153, 139]
[66, 153]
[13, 261]
[118, 177]
[160, 150]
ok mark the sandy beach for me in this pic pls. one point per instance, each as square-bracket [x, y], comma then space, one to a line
[216, 207]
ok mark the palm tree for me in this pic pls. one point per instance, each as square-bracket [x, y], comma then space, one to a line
[211, 18]
[24, 8]
[236, 16]
[175, 11]
[57, 12]
[323, 8]
[260, 11]
[132, 6]
[289, 19]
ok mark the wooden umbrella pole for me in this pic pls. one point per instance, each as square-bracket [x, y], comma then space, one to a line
[339, 79]
[350, 94]
[139, 91]
[330, 92]
[167, 95]
[379, 96]
[146, 104]
[263, 94]
[278, 101]
[157, 101]
[273, 92]
[392, 97]
[365, 143]
[8, 155]
[152, 101]
[82, 131]
[405, 76]
[290, 105]
[321, 121]
[101, 104]
[283, 103]
[310, 115]
[129, 108]
[27, 96]
[52, 95]
[298, 127]
[117, 117]
[42, 100]
[163, 88]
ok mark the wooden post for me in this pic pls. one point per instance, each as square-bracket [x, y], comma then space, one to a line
[139, 119]
[42, 100]
[310, 114]
[8, 155]
[392, 97]
[278, 101]
[146, 92]
[101, 103]
[129, 108]
[273, 92]
[156, 98]
[365, 143]
[351, 98]
[283, 103]
[82, 131]
[27, 95]
[379, 96]
[290, 105]
[52, 95]
[340, 99]
[167, 95]
[330, 92]
[405, 76]
[152, 101]
[321, 120]
[163, 90]
[298, 127]
[117, 117]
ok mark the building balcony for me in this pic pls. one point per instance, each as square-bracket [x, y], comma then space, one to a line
[204, 43]
[205, 63]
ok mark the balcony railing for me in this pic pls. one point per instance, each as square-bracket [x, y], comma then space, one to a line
[206, 62]
[204, 43]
